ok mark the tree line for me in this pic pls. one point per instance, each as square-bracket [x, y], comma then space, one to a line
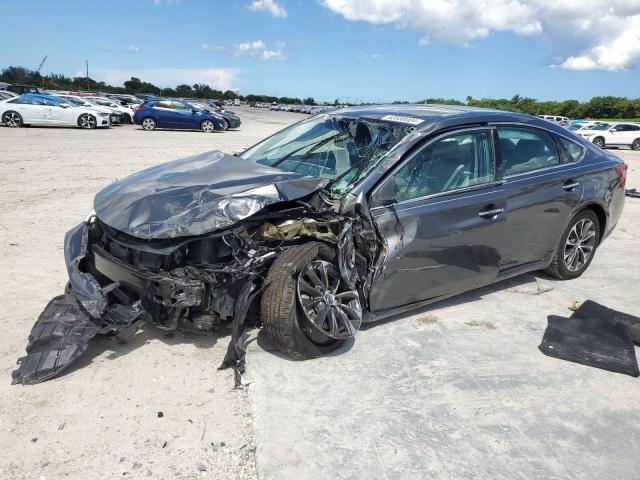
[597, 107]
[21, 75]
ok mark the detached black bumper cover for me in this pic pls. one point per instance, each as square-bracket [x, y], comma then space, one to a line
[63, 330]
[60, 335]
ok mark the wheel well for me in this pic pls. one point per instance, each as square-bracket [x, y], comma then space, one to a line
[602, 216]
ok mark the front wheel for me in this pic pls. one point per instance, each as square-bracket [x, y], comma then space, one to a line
[636, 144]
[207, 126]
[87, 121]
[598, 142]
[306, 308]
[577, 246]
[12, 119]
[148, 124]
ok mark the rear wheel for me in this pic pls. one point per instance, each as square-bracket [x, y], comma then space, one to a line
[306, 309]
[636, 144]
[207, 126]
[12, 119]
[577, 246]
[598, 142]
[87, 121]
[126, 118]
[148, 123]
[227, 125]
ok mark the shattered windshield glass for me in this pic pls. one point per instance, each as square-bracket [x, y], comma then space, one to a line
[341, 149]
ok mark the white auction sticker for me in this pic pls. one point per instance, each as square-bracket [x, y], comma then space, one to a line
[400, 119]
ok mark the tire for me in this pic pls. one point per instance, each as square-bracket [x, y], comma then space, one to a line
[562, 265]
[87, 121]
[12, 119]
[280, 312]
[227, 125]
[126, 118]
[148, 124]
[207, 126]
[636, 144]
[599, 142]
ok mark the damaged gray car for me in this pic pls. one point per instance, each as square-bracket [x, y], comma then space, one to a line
[345, 217]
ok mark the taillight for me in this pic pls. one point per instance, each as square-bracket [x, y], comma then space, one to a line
[138, 108]
[621, 171]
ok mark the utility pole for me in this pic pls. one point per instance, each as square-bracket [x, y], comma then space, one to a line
[87, 62]
[40, 68]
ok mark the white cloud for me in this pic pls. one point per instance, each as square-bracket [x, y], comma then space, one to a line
[211, 48]
[588, 34]
[132, 49]
[276, 9]
[219, 78]
[259, 49]
[167, 2]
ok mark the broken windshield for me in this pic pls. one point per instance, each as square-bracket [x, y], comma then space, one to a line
[341, 149]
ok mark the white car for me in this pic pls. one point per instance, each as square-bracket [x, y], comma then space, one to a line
[126, 113]
[48, 110]
[613, 134]
[114, 114]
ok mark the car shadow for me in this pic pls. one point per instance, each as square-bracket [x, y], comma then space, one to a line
[471, 296]
[119, 345]
[188, 130]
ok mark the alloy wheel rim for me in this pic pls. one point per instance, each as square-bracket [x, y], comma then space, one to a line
[334, 313]
[87, 121]
[579, 245]
[207, 126]
[148, 124]
[12, 119]
[598, 142]
[636, 145]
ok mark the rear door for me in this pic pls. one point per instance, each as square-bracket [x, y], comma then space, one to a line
[623, 134]
[31, 108]
[542, 187]
[442, 214]
[164, 114]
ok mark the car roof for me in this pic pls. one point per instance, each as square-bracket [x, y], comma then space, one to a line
[428, 116]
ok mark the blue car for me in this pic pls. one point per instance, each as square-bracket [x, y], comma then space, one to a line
[163, 113]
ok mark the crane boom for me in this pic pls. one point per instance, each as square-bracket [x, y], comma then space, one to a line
[42, 63]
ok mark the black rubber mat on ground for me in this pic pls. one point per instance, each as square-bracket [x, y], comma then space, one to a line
[596, 336]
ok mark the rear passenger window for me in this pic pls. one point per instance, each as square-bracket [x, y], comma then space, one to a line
[163, 104]
[573, 149]
[524, 150]
[455, 162]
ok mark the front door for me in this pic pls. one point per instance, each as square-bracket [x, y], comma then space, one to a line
[442, 214]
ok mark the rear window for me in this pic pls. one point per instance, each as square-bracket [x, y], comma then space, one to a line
[163, 104]
[572, 148]
[525, 150]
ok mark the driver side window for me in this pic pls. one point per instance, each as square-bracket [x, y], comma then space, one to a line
[457, 161]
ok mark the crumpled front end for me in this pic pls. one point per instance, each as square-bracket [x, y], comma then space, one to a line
[196, 283]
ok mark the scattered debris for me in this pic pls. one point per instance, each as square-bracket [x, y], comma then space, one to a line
[34, 440]
[202, 467]
[62, 425]
[160, 414]
[540, 288]
[481, 323]
[574, 305]
[164, 444]
[595, 336]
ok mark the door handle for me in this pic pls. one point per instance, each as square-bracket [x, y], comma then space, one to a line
[570, 186]
[493, 213]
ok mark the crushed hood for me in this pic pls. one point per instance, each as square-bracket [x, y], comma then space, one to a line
[196, 195]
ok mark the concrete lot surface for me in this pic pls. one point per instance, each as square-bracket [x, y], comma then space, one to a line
[458, 390]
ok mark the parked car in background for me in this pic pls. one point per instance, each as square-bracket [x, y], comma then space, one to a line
[166, 113]
[49, 110]
[125, 100]
[230, 120]
[554, 118]
[22, 89]
[126, 111]
[146, 96]
[620, 134]
[114, 114]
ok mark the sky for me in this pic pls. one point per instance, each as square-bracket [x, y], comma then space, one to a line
[352, 50]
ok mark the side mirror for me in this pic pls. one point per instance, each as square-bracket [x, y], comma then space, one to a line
[386, 194]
